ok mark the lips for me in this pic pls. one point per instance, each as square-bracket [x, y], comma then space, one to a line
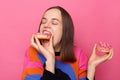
[46, 32]
[46, 38]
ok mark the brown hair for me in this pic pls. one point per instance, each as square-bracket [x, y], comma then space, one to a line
[67, 40]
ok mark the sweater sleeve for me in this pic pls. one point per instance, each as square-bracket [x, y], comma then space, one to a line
[47, 75]
[33, 68]
[83, 60]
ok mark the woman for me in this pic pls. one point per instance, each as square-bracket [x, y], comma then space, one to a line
[57, 58]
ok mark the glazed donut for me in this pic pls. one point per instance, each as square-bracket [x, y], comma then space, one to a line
[42, 36]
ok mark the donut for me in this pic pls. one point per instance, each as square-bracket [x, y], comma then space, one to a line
[103, 49]
[42, 36]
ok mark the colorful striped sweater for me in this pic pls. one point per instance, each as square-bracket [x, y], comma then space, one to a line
[34, 66]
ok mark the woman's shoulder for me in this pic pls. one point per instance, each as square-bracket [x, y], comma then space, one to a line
[82, 58]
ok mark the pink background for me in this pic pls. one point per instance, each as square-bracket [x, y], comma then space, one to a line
[94, 20]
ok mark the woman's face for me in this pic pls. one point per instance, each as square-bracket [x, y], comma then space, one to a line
[51, 24]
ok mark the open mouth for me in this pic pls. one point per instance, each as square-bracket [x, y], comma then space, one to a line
[45, 32]
[44, 41]
[45, 36]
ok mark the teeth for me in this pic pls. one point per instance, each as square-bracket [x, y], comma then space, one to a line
[47, 32]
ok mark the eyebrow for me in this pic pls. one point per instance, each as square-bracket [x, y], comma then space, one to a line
[52, 19]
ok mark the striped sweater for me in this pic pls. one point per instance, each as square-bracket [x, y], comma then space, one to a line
[34, 66]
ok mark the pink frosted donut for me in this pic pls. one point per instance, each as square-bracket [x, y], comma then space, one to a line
[103, 49]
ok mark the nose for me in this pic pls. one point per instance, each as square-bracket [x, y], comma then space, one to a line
[47, 25]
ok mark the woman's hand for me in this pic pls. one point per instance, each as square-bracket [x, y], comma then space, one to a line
[46, 50]
[96, 60]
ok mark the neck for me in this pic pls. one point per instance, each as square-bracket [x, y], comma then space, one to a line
[57, 49]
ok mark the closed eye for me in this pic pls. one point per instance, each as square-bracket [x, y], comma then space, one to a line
[43, 21]
[54, 22]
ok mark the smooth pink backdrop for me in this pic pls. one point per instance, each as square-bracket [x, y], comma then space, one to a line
[94, 20]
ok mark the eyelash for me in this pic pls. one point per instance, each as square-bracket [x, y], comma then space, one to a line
[54, 23]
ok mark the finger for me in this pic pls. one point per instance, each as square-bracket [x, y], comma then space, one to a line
[33, 44]
[51, 41]
[40, 47]
[108, 56]
[94, 49]
[32, 38]
[111, 52]
[37, 42]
